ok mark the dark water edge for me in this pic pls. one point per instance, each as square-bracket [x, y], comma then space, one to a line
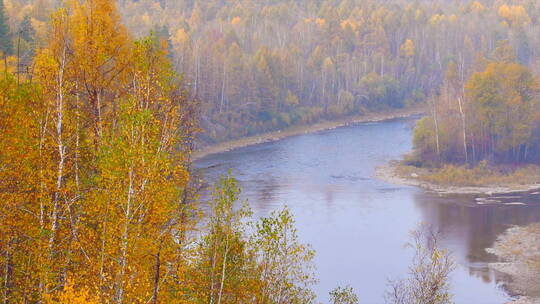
[357, 224]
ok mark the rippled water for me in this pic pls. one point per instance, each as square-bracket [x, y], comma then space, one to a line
[358, 225]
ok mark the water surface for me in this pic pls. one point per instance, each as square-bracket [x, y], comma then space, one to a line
[357, 224]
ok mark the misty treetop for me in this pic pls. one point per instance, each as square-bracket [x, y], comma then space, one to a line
[264, 65]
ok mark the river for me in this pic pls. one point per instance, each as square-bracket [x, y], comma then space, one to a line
[359, 225]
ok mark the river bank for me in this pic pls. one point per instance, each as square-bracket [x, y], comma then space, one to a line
[304, 129]
[325, 180]
[519, 250]
[396, 173]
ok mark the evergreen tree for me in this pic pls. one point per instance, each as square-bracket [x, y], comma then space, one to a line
[5, 42]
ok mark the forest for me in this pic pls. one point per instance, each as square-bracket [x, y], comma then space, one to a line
[96, 203]
[494, 116]
[103, 104]
[258, 66]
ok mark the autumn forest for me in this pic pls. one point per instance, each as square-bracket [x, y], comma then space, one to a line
[103, 105]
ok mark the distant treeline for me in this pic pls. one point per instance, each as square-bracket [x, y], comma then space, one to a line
[264, 65]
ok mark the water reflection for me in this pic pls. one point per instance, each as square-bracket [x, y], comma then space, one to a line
[358, 225]
[469, 228]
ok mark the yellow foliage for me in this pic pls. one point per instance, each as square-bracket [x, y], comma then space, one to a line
[419, 14]
[349, 23]
[407, 48]
[328, 63]
[477, 7]
[72, 295]
[180, 38]
[236, 20]
[440, 18]
[437, 19]
[145, 18]
[320, 21]
[514, 14]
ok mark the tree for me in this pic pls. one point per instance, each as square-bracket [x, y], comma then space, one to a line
[343, 295]
[19, 191]
[286, 264]
[6, 45]
[494, 116]
[103, 198]
[267, 266]
[504, 101]
[407, 48]
[141, 178]
[429, 273]
[225, 270]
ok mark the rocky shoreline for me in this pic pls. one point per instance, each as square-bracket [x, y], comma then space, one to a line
[519, 250]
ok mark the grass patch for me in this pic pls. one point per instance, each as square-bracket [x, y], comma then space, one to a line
[480, 175]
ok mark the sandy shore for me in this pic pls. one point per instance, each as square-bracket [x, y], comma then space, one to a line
[297, 130]
[389, 174]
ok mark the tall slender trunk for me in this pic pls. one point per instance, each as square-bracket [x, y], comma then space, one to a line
[212, 275]
[436, 123]
[283, 266]
[77, 137]
[61, 162]
[125, 238]
[222, 87]
[382, 67]
[156, 278]
[463, 129]
[100, 122]
[223, 267]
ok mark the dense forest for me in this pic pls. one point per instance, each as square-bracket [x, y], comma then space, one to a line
[264, 65]
[96, 203]
[494, 116]
[101, 106]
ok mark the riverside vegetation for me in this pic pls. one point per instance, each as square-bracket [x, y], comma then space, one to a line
[98, 198]
[97, 130]
[484, 132]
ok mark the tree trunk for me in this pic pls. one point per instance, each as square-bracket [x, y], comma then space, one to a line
[223, 267]
[156, 278]
[125, 240]
[463, 129]
[61, 162]
[436, 123]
